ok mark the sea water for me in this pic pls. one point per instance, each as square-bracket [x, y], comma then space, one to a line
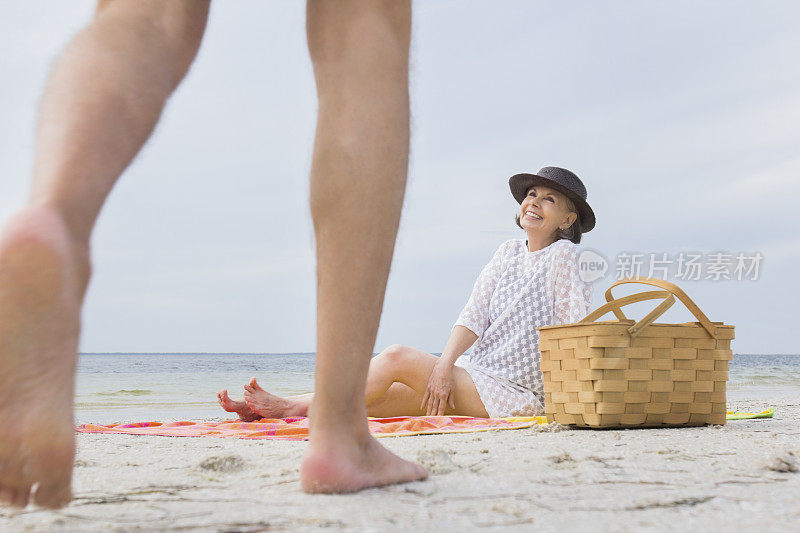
[124, 387]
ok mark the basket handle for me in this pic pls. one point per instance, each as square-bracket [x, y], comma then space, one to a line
[616, 304]
[672, 288]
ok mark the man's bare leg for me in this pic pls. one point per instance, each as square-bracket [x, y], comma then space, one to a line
[359, 50]
[101, 102]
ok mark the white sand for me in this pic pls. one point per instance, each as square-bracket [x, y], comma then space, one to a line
[730, 478]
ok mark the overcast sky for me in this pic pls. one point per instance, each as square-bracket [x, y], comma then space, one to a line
[682, 119]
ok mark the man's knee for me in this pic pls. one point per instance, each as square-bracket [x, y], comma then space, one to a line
[176, 26]
[358, 31]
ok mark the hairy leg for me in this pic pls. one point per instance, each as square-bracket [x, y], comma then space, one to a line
[100, 104]
[359, 50]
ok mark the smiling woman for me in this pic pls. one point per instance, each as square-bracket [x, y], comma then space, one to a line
[527, 284]
[565, 205]
[559, 191]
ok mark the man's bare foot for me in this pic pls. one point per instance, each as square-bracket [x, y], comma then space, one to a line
[340, 463]
[42, 278]
[271, 406]
[240, 408]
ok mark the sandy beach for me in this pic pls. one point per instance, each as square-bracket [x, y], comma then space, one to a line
[736, 477]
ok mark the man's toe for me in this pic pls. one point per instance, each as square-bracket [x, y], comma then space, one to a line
[16, 497]
[7, 495]
[52, 495]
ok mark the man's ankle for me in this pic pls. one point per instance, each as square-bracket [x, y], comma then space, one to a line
[349, 426]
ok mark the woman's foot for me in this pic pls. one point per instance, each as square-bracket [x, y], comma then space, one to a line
[339, 462]
[271, 406]
[240, 408]
[42, 278]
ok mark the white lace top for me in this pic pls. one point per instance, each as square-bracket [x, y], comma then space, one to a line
[514, 294]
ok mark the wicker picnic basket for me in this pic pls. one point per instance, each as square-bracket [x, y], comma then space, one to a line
[625, 373]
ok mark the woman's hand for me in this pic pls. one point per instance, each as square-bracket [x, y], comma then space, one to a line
[441, 389]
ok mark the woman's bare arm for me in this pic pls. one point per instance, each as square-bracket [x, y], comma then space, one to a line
[440, 390]
[459, 342]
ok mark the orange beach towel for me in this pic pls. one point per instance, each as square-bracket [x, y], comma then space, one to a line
[297, 428]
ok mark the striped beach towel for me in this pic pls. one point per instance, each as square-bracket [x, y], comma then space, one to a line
[297, 428]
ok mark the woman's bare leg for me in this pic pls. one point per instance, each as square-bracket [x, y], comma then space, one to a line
[271, 406]
[246, 414]
[412, 367]
[396, 383]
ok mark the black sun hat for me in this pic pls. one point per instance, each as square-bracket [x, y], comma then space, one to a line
[561, 180]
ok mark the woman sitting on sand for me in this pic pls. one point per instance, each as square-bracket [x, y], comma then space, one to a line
[527, 284]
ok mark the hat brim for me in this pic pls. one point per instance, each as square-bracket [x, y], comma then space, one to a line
[521, 183]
